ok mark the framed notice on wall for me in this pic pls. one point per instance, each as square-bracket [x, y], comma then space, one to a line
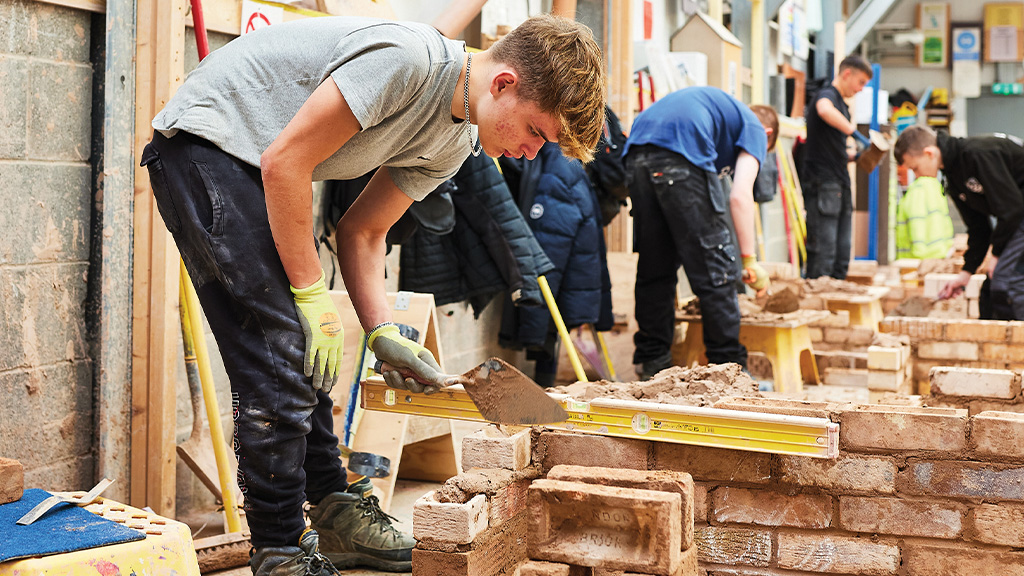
[933, 22]
[1004, 32]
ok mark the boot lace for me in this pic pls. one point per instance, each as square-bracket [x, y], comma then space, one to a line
[318, 565]
[370, 506]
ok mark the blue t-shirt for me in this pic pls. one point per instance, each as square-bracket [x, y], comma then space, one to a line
[706, 125]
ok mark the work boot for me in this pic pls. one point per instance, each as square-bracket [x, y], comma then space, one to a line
[302, 560]
[354, 531]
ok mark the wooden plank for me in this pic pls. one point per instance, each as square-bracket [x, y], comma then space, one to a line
[430, 460]
[98, 6]
[382, 433]
[225, 16]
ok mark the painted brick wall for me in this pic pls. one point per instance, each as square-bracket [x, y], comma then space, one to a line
[46, 79]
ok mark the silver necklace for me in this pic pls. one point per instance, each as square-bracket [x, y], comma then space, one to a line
[474, 144]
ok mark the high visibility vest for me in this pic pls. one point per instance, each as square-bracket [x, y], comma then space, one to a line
[923, 226]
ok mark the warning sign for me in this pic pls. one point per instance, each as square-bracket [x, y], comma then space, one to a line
[256, 15]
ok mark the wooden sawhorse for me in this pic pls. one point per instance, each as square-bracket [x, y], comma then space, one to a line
[864, 309]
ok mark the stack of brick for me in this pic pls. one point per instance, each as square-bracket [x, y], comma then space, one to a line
[864, 272]
[890, 370]
[933, 283]
[990, 344]
[834, 332]
[976, 389]
[914, 492]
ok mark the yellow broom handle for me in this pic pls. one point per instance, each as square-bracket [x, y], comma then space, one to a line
[190, 305]
[573, 358]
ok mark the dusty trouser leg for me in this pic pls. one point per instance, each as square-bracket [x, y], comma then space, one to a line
[1007, 285]
[823, 202]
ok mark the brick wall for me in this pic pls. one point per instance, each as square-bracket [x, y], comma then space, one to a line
[46, 83]
[914, 492]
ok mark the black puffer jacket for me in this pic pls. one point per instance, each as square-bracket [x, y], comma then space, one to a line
[490, 250]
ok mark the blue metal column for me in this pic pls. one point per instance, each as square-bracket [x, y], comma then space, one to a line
[873, 177]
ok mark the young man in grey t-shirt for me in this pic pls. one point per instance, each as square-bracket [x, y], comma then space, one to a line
[231, 165]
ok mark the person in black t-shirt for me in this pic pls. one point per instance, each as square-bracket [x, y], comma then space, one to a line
[826, 181]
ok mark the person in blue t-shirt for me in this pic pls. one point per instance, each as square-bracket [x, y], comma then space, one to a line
[675, 153]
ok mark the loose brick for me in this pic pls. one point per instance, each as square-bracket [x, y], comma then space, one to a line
[615, 528]
[847, 377]
[977, 331]
[447, 521]
[887, 380]
[976, 407]
[821, 553]
[1002, 352]
[849, 474]
[973, 289]
[711, 464]
[879, 515]
[1001, 524]
[921, 560]
[996, 435]
[934, 282]
[885, 358]
[539, 568]
[722, 545]
[978, 382]
[766, 508]
[661, 480]
[494, 553]
[492, 447]
[12, 480]
[968, 480]
[508, 501]
[948, 351]
[890, 428]
[860, 336]
[556, 448]
[783, 406]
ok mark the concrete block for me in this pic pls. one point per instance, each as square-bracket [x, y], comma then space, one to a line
[492, 447]
[13, 93]
[712, 464]
[731, 546]
[885, 358]
[901, 517]
[837, 554]
[873, 427]
[12, 480]
[973, 382]
[59, 112]
[948, 351]
[554, 448]
[43, 317]
[46, 31]
[851, 474]
[615, 528]
[447, 521]
[959, 479]
[977, 331]
[1000, 524]
[659, 480]
[767, 508]
[52, 220]
[944, 559]
[996, 436]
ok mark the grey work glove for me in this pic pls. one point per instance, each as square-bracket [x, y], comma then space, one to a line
[412, 367]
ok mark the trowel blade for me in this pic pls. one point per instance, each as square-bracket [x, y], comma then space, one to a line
[505, 395]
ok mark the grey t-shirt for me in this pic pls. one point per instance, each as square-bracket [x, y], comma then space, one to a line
[398, 79]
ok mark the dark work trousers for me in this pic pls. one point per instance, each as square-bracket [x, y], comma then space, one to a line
[214, 206]
[829, 206]
[681, 217]
[1007, 283]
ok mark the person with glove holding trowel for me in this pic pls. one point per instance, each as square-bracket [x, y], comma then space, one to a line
[674, 154]
[232, 163]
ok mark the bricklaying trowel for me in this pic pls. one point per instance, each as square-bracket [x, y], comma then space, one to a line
[502, 393]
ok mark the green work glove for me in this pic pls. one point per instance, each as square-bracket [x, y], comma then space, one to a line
[754, 275]
[421, 371]
[324, 335]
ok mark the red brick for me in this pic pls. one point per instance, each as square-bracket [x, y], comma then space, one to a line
[710, 464]
[948, 351]
[958, 479]
[957, 381]
[447, 521]
[722, 545]
[922, 560]
[859, 474]
[765, 508]
[507, 502]
[873, 427]
[540, 568]
[615, 528]
[661, 480]
[554, 448]
[1001, 524]
[837, 554]
[977, 331]
[497, 552]
[700, 502]
[1003, 352]
[997, 435]
[491, 447]
[783, 406]
[12, 480]
[879, 515]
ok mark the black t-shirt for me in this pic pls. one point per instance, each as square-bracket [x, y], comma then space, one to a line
[825, 153]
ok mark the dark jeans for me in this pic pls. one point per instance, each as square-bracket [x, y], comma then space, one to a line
[829, 206]
[213, 204]
[1007, 283]
[681, 217]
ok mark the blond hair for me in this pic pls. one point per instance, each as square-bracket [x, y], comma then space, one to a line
[561, 70]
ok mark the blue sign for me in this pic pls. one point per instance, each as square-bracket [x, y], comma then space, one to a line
[967, 44]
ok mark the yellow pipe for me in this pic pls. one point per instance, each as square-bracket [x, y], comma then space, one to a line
[574, 359]
[189, 303]
[607, 358]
